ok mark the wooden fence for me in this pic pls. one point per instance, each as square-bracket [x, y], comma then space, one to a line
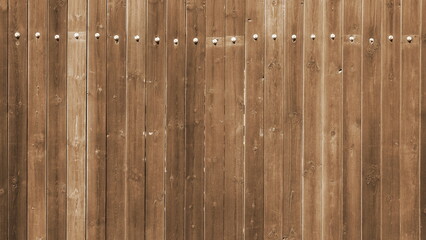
[213, 119]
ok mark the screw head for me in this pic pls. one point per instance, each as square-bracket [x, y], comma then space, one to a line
[409, 38]
[37, 35]
[233, 39]
[274, 36]
[157, 39]
[175, 41]
[195, 40]
[56, 37]
[332, 36]
[97, 35]
[136, 37]
[76, 35]
[214, 41]
[313, 36]
[17, 35]
[255, 36]
[351, 38]
[371, 40]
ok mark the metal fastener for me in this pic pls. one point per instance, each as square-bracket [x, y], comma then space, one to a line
[76, 35]
[274, 36]
[214, 41]
[175, 41]
[255, 36]
[195, 40]
[157, 39]
[233, 39]
[56, 37]
[17, 35]
[137, 38]
[313, 36]
[97, 35]
[37, 35]
[409, 38]
[332, 36]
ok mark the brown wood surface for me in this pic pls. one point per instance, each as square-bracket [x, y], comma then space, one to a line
[294, 137]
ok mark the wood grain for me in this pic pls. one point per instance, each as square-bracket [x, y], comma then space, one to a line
[4, 176]
[423, 124]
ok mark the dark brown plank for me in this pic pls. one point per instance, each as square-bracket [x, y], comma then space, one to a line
[332, 217]
[175, 157]
[391, 25]
[194, 122]
[234, 121]
[37, 82]
[214, 120]
[135, 211]
[96, 120]
[410, 121]
[4, 176]
[371, 129]
[155, 120]
[117, 170]
[254, 82]
[273, 119]
[312, 119]
[352, 74]
[293, 116]
[18, 118]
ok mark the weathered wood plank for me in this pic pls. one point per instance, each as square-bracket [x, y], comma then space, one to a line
[410, 121]
[76, 120]
[194, 121]
[293, 116]
[17, 118]
[37, 82]
[423, 125]
[117, 171]
[135, 211]
[4, 176]
[312, 119]
[391, 120]
[254, 82]
[273, 119]
[155, 120]
[175, 157]
[234, 121]
[352, 62]
[214, 120]
[332, 108]
[371, 116]
[96, 120]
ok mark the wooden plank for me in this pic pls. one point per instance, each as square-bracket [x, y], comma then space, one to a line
[254, 82]
[117, 171]
[410, 122]
[234, 121]
[194, 119]
[175, 157]
[155, 120]
[214, 120]
[18, 119]
[352, 28]
[4, 176]
[37, 82]
[391, 81]
[423, 125]
[332, 118]
[76, 120]
[293, 120]
[96, 120]
[371, 116]
[136, 26]
[312, 128]
[273, 119]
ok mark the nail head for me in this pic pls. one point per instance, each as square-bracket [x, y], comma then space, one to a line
[371, 40]
[351, 38]
[17, 35]
[390, 38]
[332, 36]
[313, 36]
[37, 35]
[255, 36]
[57, 37]
[195, 40]
[233, 39]
[116, 37]
[274, 36]
[214, 41]
[293, 37]
[137, 37]
[157, 39]
[76, 35]
[97, 35]
[175, 41]
[409, 38]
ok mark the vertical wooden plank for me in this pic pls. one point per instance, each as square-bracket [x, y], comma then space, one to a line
[18, 118]
[234, 121]
[117, 170]
[423, 125]
[352, 29]
[390, 119]
[4, 176]
[332, 189]
[371, 115]
[136, 26]
[155, 120]
[194, 122]
[254, 82]
[96, 120]
[293, 119]
[37, 82]
[175, 158]
[76, 120]
[273, 119]
[312, 119]
[214, 119]
[410, 109]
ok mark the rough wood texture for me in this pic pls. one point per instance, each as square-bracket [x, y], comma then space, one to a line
[213, 119]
